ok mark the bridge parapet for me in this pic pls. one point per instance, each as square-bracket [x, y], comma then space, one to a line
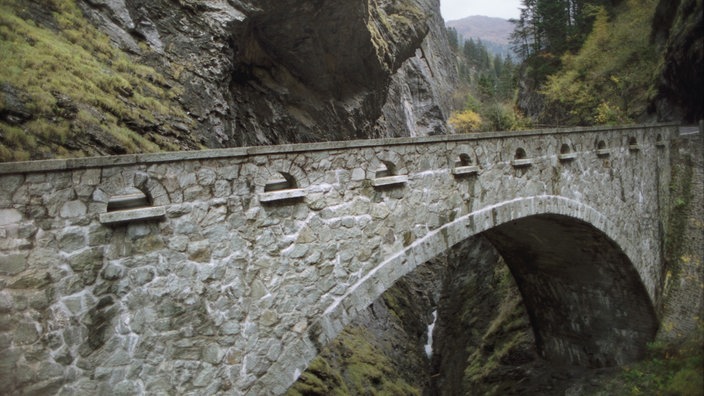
[235, 266]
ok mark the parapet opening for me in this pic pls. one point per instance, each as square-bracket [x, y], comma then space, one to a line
[131, 205]
[386, 176]
[463, 166]
[566, 153]
[464, 160]
[387, 169]
[129, 198]
[281, 181]
[281, 187]
[633, 144]
[520, 159]
[601, 149]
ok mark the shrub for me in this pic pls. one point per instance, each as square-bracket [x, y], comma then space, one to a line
[466, 121]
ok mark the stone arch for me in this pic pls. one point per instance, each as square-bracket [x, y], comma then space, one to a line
[601, 148]
[464, 155]
[126, 181]
[278, 170]
[567, 152]
[389, 160]
[275, 184]
[618, 349]
[586, 303]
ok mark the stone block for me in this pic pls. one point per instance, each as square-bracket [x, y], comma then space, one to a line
[26, 333]
[282, 195]
[268, 318]
[9, 216]
[133, 215]
[98, 235]
[566, 157]
[522, 163]
[87, 260]
[73, 209]
[465, 170]
[72, 239]
[112, 272]
[199, 251]
[213, 354]
[13, 264]
[389, 181]
[31, 279]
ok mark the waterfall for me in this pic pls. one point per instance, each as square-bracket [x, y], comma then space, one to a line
[431, 326]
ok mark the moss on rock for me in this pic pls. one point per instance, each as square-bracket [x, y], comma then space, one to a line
[67, 91]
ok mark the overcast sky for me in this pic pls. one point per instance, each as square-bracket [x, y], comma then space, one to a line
[458, 9]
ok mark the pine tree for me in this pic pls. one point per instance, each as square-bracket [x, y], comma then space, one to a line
[453, 38]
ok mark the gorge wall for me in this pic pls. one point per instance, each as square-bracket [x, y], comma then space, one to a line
[102, 77]
[272, 72]
[678, 28]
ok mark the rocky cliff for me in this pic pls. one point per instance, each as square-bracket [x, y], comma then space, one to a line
[233, 73]
[678, 29]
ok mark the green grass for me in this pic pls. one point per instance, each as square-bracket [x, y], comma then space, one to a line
[74, 80]
[668, 370]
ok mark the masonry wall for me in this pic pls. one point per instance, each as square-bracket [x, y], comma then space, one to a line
[216, 280]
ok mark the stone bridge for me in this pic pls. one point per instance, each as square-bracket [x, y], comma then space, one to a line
[226, 271]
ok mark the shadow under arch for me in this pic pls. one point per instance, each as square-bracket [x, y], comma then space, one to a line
[586, 303]
[604, 318]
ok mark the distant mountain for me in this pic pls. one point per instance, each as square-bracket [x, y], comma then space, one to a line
[490, 30]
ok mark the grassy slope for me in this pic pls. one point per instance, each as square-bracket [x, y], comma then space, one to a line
[66, 91]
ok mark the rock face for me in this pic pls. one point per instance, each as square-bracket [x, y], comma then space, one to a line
[679, 29]
[271, 72]
[683, 294]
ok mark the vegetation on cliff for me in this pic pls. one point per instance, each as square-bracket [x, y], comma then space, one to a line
[66, 91]
[589, 62]
[484, 99]
[610, 80]
[669, 369]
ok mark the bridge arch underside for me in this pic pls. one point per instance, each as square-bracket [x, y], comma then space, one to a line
[586, 302]
[585, 298]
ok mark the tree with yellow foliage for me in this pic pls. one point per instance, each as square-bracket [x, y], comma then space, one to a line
[466, 121]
